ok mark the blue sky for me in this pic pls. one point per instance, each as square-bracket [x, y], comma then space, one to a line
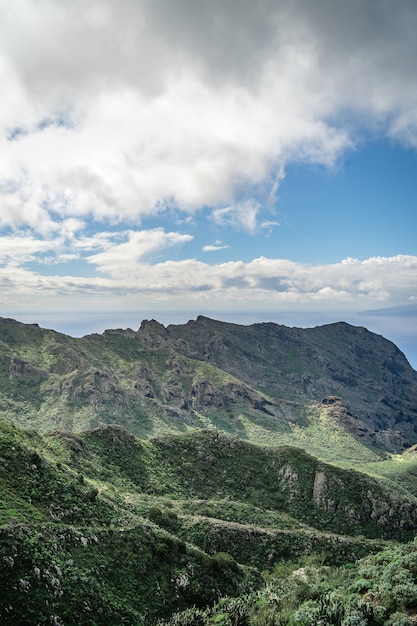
[247, 161]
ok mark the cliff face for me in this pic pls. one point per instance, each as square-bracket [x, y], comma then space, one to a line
[368, 374]
[169, 378]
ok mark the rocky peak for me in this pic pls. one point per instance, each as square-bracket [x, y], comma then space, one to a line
[152, 333]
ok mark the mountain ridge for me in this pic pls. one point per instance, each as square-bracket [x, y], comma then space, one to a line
[208, 373]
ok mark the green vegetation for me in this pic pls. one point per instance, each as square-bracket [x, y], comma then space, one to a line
[264, 383]
[198, 528]
[378, 590]
[206, 474]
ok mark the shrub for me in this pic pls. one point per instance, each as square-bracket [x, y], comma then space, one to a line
[164, 518]
[189, 617]
[224, 560]
[399, 619]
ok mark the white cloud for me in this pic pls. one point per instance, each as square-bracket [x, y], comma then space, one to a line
[122, 260]
[110, 252]
[16, 250]
[127, 107]
[239, 216]
[218, 245]
[262, 284]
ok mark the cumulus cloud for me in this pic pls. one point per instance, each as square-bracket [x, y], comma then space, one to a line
[122, 260]
[119, 110]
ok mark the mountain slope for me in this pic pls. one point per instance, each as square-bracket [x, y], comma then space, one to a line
[98, 526]
[254, 381]
[369, 373]
[111, 528]
[103, 527]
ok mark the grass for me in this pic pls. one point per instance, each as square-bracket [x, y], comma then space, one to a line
[400, 469]
[317, 432]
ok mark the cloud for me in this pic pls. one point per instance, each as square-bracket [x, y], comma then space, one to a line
[23, 247]
[114, 253]
[261, 284]
[122, 259]
[140, 106]
[218, 245]
[269, 224]
[16, 250]
[242, 216]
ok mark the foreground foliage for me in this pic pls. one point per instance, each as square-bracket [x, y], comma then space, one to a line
[379, 590]
[196, 529]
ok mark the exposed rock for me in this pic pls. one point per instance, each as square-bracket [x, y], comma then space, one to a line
[152, 334]
[391, 440]
[18, 367]
[205, 394]
[142, 381]
[325, 494]
[71, 441]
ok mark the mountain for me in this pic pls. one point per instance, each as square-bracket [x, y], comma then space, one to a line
[257, 382]
[206, 473]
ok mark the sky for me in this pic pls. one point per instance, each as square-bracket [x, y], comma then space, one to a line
[248, 160]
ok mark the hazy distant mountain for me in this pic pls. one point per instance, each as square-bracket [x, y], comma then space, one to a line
[406, 310]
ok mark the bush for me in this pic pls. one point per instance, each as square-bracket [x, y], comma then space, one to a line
[164, 518]
[399, 619]
[189, 617]
[308, 614]
[224, 560]
[235, 611]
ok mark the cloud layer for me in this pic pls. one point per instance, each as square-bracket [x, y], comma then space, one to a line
[122, 266]
[118, 110]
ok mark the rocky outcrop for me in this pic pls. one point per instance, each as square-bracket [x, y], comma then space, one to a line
[204, 394]
[21, 368]
[95, 388]
[152, 334]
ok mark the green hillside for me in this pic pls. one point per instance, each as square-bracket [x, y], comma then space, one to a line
[206, 474]
[106, 528]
